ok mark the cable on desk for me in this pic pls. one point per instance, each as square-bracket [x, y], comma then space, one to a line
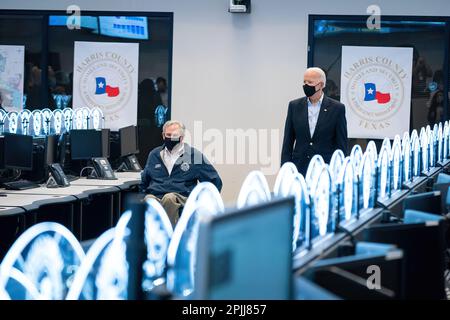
[10, 175]
[81, 172]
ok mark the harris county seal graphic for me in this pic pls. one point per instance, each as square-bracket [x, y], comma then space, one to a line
[375, 90]
[416, 157]
[68, 115]
[322, 203]
[43, 268]
[383, 173]
[366, 181]
[57, 121]
[348, 192]
[396, 168]
[407, 161]
[112, 277]
[13, 121]
[157, 238]
[105, 81]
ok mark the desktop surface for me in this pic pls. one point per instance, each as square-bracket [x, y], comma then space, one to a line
[20, 185]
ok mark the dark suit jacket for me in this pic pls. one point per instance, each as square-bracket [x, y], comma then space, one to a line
[330, 133]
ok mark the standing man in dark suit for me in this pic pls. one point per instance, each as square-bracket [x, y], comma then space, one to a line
[315, 123]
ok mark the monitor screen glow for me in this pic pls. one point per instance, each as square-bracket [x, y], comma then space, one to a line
[124, 27]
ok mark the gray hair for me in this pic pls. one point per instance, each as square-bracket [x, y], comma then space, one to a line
[321, 74]
[181, 127]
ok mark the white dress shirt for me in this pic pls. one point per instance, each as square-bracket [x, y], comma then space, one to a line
[170, 157]
[313, 114]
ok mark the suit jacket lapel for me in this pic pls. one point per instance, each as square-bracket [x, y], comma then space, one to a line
[305, 117]
[322, 114]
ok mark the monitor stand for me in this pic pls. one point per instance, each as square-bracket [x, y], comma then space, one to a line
[130, 163]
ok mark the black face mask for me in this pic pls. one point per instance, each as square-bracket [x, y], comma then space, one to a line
[309, 90]
[170, 143]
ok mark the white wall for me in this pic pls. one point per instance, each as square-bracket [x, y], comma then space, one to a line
[239, 71]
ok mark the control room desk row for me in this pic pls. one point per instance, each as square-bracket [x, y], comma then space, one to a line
[328, 247]
[87, 207]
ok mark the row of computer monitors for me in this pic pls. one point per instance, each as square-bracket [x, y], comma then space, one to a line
[45, 121]
[407, 158]
[350, 187]
[233, 241]
[16, 150]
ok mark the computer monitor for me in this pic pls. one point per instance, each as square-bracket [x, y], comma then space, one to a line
[428, 202]
[246, 253]
[51, 145]
[443, 178]
[443, 189]
[18, 152]
[105, 143]
[348, 276]
[423, 244]
[128, 141]
[88, 144]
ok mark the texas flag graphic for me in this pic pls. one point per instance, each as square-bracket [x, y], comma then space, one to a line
[372, 94]
[102, 88]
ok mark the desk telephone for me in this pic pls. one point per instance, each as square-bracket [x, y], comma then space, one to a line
[130, 163]
[102, 169]
[58, 175]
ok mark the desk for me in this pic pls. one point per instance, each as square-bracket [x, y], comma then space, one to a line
[443, 163]
[394, 202]
[8, 216]
[41, 207]
[416, 183]
[123, 183]
[432, 172]
[134, 175]
[126, 182]
[79, 192]
[327, 246]
[20, 211]
[31, 202]
[12, 225]
[10, 211]
[88, 218]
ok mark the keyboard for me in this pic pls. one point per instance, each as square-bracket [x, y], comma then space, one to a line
[20, 185]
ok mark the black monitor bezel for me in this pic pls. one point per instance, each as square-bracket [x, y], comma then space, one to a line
[135, 129]
[5, 141]
[204, 235]
[100, 136]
